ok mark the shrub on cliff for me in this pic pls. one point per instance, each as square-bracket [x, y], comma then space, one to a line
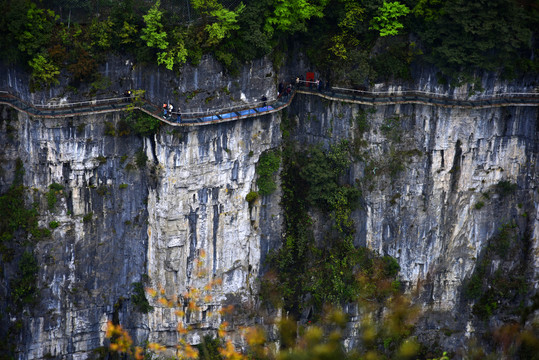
[24, 287]
[266, 167]
[139, 298]
[141, 123]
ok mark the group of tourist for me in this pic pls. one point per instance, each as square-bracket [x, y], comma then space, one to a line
[167, 113]
[286, 89]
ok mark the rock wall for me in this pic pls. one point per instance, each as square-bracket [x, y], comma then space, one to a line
[422, 171]
[194, 89]
[198, 212]
[100, 245]
[119, 222]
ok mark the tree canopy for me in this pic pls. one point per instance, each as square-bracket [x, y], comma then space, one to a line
[371, 39]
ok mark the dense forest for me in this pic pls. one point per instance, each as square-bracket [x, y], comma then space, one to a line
[351, 42]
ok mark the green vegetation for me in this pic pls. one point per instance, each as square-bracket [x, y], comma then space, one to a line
[141, 159]
[339, 36]
[103, 190]
[505, 188]
[53, 224]
[361, 123]
[88, 217]
[102, 159]
[110, 129]
[52, 195]
[122, 186]
[15, 217]
[267, 166]
[251, 197]
[140, 122]
[208, 349]
[305, 272]
[139, 298]
[463, 36]
[387, 19]
[24, 287]
[391, 129]
[504, 286]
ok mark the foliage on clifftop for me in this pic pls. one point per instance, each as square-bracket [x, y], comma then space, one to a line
[371, 39]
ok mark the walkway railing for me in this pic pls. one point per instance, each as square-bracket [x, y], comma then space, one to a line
[419, 97]
[210, 116]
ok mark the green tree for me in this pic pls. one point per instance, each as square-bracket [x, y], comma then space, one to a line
[25, 285]
[153, 33]
[25, 27]
[44, 71]
[226, 22]
[346, 38]
[142, 123]
[250, 41]
[156, 37]
[220, 22]
[484, 34]
[291, 15]
[176, 54]
[101, 33]
[387, 22]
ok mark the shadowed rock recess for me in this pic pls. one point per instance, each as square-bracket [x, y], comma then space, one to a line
[438, 185]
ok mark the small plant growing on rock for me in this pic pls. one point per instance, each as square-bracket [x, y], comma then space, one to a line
[110, 129]
[141, 158]
[88, 217]
[267, 165]
[139, 298]
[506, 187]
[101, 159]
[251, 197]
[80, 128]
[54, 190]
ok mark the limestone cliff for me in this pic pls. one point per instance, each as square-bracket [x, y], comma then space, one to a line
[423, 170]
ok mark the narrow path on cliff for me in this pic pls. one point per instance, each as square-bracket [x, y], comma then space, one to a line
[267, 107]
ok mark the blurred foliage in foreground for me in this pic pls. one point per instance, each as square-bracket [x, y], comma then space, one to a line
[384, 331]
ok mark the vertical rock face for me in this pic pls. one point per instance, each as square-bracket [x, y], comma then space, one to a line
[99, 247]
[118, 222]
[198, 212]
[196, 89]
[423, 171]
[431, 181]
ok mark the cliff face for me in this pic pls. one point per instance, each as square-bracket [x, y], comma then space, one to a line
[422, 170]
[198, 212]
[433, 197]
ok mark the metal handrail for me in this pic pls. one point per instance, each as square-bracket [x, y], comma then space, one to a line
[245, 106]
[413, 92]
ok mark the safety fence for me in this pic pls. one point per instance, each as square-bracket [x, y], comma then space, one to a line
[261, 107]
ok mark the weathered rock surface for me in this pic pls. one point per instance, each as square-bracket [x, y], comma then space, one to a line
[189, 202]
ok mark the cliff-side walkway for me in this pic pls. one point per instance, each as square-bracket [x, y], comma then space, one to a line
[267, 107]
